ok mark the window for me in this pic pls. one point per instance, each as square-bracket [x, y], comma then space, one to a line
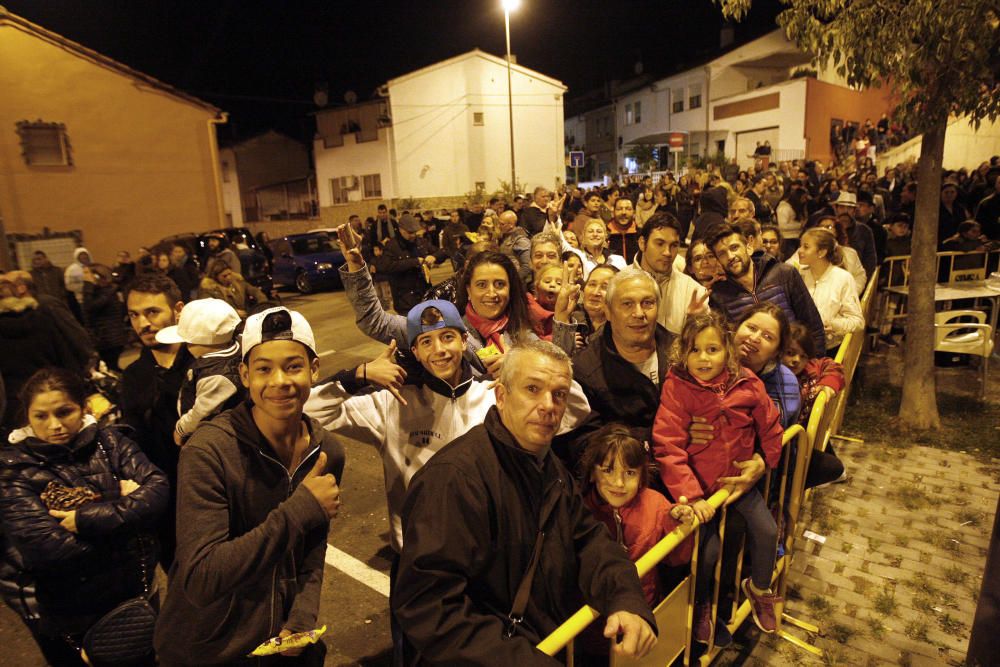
[629, 115]
[694, 96]
[225, 171]
[477, 118]
[372, 185]
[678, 96]
[337, 191]
[480, 186]
[44, 144]
[638, 112]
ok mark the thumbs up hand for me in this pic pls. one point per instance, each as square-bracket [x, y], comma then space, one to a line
[323, 486]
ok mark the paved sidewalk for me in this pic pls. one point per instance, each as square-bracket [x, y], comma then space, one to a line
[894, 576]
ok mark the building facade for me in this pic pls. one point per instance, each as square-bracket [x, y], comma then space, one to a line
[438, 135]
[88, 144]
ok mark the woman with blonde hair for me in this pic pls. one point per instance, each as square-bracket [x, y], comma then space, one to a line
[832, 288]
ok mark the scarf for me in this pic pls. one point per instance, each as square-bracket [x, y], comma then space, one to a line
[491, 331]
[541, 318]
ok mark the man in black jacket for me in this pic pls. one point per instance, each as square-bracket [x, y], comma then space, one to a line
[404, 261]
[498, 547]
[762, 278]
[151, 384]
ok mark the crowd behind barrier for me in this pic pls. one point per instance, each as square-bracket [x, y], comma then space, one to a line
[675, 612]
[626, 242]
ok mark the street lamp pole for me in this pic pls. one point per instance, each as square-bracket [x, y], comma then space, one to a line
[508, 7]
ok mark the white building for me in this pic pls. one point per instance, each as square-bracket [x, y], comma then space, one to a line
[764, 90]
[439, 133]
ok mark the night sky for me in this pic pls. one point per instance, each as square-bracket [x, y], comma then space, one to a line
[261, 61]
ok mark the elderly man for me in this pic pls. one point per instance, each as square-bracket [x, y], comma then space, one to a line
[680, 294]
[514, 242]
[741, 209]
[534, 217]
[859, 236]
[621, 370]
[498, 548]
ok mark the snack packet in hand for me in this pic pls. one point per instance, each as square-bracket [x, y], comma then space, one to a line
[276, 645]
[488, 352]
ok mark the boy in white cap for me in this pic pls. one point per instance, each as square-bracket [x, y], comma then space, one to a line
[257, 488]
[208, 328]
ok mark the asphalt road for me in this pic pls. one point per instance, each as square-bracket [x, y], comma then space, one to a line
[356, 615]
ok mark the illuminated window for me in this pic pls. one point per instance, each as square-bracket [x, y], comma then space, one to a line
[629, 115]
[44, 144]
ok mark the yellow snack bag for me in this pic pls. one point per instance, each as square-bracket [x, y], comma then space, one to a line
[488, 352]
[276, 645]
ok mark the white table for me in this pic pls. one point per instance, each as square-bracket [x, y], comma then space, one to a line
[973, 289]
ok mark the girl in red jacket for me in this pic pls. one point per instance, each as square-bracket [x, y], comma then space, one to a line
[707, 381]
[614, 468]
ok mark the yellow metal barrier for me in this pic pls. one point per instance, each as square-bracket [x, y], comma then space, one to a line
[674, 613]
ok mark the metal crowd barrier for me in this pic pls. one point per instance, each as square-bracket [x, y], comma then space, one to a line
[674, 614]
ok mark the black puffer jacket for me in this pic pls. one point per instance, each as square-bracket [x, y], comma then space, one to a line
[65, 579]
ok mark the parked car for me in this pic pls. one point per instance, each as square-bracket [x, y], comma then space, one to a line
[254, 263]
[307, 261]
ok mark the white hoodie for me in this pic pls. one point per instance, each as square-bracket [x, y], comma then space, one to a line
[409, 435]
[73, 275]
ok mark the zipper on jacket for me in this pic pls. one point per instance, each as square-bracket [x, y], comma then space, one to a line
[618, 528]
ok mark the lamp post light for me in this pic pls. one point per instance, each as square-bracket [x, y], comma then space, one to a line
[508, 7]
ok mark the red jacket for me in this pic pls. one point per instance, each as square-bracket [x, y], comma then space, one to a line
[645, 520]
[818, 373]
[741, 413]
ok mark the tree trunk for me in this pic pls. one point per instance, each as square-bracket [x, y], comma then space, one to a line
[918, 408]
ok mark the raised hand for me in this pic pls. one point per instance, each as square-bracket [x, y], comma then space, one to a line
[385, 372]
[566, 300]
[323, 486]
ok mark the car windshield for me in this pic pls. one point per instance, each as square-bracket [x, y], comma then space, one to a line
[311, 245]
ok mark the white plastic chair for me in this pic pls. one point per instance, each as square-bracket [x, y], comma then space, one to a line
[964, 337]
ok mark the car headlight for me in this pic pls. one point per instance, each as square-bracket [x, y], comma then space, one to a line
[324, 266]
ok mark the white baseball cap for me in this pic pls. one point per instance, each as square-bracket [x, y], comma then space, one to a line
[202, 322]
[276, 324]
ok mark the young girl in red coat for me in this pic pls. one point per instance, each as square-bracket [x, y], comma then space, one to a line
[707, 381]
[615, 472]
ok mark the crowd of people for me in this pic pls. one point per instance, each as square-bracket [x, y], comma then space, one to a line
[578, 388]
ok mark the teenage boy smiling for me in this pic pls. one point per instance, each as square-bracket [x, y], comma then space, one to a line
[258, 488]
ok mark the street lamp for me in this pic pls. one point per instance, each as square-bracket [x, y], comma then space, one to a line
[508, 7]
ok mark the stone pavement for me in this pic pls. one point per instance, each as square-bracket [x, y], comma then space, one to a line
[895, 574]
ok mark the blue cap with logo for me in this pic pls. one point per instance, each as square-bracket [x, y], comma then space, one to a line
[449, 318]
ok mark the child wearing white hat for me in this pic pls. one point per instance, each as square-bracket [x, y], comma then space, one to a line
[208, 328]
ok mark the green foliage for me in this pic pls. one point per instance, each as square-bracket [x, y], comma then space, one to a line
[643, 155]
[506, 192]
[938, 58]
[408, 204]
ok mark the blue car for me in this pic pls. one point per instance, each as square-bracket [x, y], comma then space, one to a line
[306, 262]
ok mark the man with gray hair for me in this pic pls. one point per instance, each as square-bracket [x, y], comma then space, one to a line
[498, 547]
[534, 217]
[622, 369]
[546, 249]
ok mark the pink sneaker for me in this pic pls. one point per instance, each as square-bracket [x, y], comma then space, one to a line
[762, 607]
[703, 623]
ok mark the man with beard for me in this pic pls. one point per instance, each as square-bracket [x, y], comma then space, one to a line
[763, 278]
[623, 234]
[151, 385]
[48, 278]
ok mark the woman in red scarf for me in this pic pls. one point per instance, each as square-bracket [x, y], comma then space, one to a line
[493, 300]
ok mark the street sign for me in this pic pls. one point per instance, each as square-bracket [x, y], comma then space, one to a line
[576, 158]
